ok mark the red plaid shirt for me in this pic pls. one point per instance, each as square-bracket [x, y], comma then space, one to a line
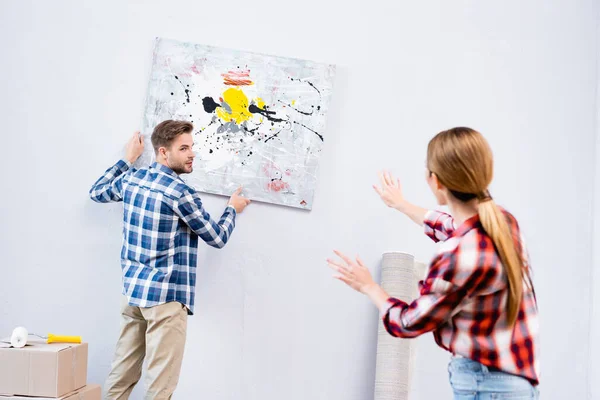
[463, 300]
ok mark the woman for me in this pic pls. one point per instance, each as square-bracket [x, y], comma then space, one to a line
[478, 297]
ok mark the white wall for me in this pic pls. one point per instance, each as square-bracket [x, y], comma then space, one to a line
[594, 384]
[270, 322]
[595, 312]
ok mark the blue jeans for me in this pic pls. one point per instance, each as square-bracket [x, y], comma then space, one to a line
[471, 380]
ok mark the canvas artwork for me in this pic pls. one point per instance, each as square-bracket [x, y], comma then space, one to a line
[259, 120]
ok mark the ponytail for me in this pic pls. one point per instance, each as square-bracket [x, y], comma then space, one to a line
[495, 225]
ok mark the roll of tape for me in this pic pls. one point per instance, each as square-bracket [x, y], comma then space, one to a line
[19, 337]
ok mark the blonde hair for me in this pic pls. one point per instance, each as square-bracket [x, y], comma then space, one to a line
[462, 161]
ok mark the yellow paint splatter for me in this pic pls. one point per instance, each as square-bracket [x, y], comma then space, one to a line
[260, 103]
[238, 102]
[293, 102]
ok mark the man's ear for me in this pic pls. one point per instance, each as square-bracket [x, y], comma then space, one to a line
[162, 151]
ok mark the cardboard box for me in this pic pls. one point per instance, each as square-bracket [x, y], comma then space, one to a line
[43, 370]
[89, 392]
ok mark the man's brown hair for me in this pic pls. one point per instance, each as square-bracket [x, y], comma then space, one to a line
[167, 131]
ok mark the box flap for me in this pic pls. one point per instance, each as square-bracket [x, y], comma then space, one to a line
[39, 345]
[81, 367]
[43, 374]
[49, 347]
[12, 365]
[89, 392]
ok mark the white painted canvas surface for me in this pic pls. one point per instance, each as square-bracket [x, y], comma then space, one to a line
[259, 120]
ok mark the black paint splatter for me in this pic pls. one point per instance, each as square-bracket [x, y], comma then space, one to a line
[251, 131]
[315, 132]
[273, 136]
[309, 82]
[267, 114]
[187, 91]
[301, 112]
[209, 105]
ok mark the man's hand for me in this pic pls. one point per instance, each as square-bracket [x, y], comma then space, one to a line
[135, 147]
[237, 201]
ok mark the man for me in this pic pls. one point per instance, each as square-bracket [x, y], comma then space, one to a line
[163, 218]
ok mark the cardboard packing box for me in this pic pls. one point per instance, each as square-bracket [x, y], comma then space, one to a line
[89, 392]
[43, 370]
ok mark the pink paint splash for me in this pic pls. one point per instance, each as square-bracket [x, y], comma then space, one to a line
[277, 186]
[237, 78]
[269, 169]
[194, 69]
[273, 172]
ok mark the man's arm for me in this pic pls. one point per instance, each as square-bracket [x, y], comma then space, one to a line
[109, 187]
[216, 234]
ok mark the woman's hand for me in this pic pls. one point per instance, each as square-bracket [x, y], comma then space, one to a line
[390, 191]
[391, 194]
[353, 273]
[356, 275]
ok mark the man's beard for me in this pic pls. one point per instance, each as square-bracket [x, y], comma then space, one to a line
[179, 168]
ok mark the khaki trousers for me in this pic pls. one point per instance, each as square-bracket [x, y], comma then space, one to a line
[156, 334]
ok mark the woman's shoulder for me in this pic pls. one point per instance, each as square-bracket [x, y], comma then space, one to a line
[510, 218]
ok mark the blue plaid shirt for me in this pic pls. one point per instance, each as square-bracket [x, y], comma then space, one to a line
[163, 218]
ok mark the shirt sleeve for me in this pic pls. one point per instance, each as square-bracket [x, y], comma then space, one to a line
[216, 234]
[438, 226]
[441, 294]
[109, 187]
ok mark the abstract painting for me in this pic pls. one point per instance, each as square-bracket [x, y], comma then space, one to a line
[259, 120]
